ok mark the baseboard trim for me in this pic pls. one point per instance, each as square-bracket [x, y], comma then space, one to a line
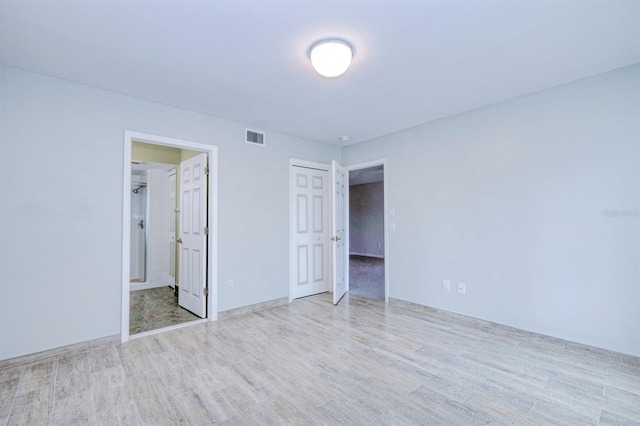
[449, 316]
[73, 349]
[377, 256]
[236, 312]
[147, 286]
[455, 316]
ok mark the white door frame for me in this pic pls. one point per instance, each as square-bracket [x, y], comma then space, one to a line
[212, 255]
[292, 243]
[339, 254]
[366, 165]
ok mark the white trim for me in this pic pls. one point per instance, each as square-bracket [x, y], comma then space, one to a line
[300, 163]
[366, 165]
[337, 168]
[309, 164]
[148, 285]
[171, 327]
[212, 151]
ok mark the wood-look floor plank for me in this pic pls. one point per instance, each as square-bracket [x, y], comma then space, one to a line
[76, 408]
[11, 372]
[608, 418]
[160, 410]
[552, 412]
[8, 389]
[125, 414]
[33, 407]
[72, 379]
[361, 362]
[199, 409]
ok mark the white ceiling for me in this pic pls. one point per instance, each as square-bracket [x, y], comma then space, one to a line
[246, 60]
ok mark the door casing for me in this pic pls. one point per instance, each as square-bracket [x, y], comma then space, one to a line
[340, 218]
[212, 255]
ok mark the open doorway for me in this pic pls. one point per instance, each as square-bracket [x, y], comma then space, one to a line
[169, 244]
[154, 253]
[367, 248]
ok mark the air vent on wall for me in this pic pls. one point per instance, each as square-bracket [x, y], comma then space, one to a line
[256, 138]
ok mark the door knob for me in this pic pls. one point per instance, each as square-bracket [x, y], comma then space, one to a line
[335, 238]
[179, 241]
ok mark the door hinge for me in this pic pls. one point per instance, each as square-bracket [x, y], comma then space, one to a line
[206, 171]
[206, 230]
[206, 291]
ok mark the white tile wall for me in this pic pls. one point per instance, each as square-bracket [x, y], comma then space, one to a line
[158, 231]
[138, 211]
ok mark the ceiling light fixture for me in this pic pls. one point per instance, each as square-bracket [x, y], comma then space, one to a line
[331, 57]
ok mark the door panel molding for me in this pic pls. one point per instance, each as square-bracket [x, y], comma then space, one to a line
[193, 239]
[309, 227]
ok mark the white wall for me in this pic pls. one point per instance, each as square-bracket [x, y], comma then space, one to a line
[61, 273]
[510, 200]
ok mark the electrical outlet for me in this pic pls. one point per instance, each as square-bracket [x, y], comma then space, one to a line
[462, 288]
[229, 284]
[446, 285]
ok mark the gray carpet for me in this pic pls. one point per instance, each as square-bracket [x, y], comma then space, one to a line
[156, 308]
[366, 276]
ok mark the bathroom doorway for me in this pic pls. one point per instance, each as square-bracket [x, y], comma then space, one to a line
[154, 216]
[156, 296]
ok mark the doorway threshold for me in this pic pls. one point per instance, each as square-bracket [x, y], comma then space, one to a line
[171, 327]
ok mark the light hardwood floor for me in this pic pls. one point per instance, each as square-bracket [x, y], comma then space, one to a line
[311, 363]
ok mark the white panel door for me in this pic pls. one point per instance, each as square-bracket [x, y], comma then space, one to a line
[340, 247]
[310, 227]
[192, 265]
[173, 197]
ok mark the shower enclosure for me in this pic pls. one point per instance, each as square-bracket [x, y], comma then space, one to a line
[138, 272]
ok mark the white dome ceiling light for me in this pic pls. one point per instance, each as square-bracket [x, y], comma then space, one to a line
[331, 57]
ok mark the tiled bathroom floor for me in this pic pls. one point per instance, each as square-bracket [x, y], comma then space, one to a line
[156, 308]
